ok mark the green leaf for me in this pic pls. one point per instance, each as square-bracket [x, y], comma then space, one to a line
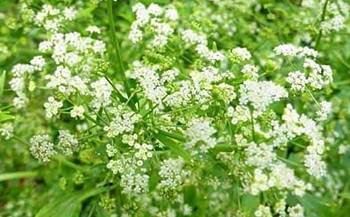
[175, 147]
[67, 205]
[2, 82]
[5, 116]
[250, 203]
[313, 204]
[345, 195]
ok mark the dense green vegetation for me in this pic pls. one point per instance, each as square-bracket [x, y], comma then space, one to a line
[174, 108]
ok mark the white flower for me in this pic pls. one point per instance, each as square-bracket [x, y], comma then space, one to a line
[122, 122]
[77, 112]
[261, 155]
[187, 210]
[111, 150]
[99, 47]
[307, 52]
[51, 107]
[65, 82]
[286, 50]
[134, 183]
[227, 92]
[314, 164]
[6, 130]
[191, 38]
[150, 81]
[325, 110]
[162, 32]
[42, 148]
[250, 70]
[209, 55]
[142, 15]
[171, 14]
[172, 174]
[297, 80]
[93, 29]
[239, 114]
[38, 62]
[22, 69]
[52, 18]
[334, 24]
[263, 211]
[134, 180]
[241, 53]
[143, 152]
[181, 97]
[17, 85]
[20, 102]
[169, 75]
[280, 207]
[319, 76]
[102, 91]
[342, 149]
[45, 46]
[69, 13]
[129, 139]
[260, 94]
[200, 132]
[259, 184]
[155, 9]
[282, 177]
[67, 143]
[296, 211]
[135, 34]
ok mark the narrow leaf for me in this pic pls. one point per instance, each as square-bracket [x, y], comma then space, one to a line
[2, 82]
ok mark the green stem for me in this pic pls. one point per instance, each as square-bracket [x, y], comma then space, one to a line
[116, 55]
[341, 59]
[175, 136]
[67, 163]
[120, 96]
[95, 192]
[313, 98]
[114, 40]
[288, 161]
[319, 36]
[17, 175]
[20, 140]
[252, 122]
[88, 117]
[222, 148]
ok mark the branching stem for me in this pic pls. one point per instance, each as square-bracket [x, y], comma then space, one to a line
[319, 35]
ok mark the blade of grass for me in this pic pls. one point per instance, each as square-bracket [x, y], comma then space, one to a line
[2, 82]
[17, 175]
[116, 55]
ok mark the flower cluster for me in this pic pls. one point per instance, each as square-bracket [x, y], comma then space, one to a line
[200, 42]
[18, 83]
[52, 19]
[199, 132]
[313, 75]
[122, 122]
[172, 174]
[42, 148]
[6, 130]
[134, 180]
[156, 19]
[67, 143]
[336, 17]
